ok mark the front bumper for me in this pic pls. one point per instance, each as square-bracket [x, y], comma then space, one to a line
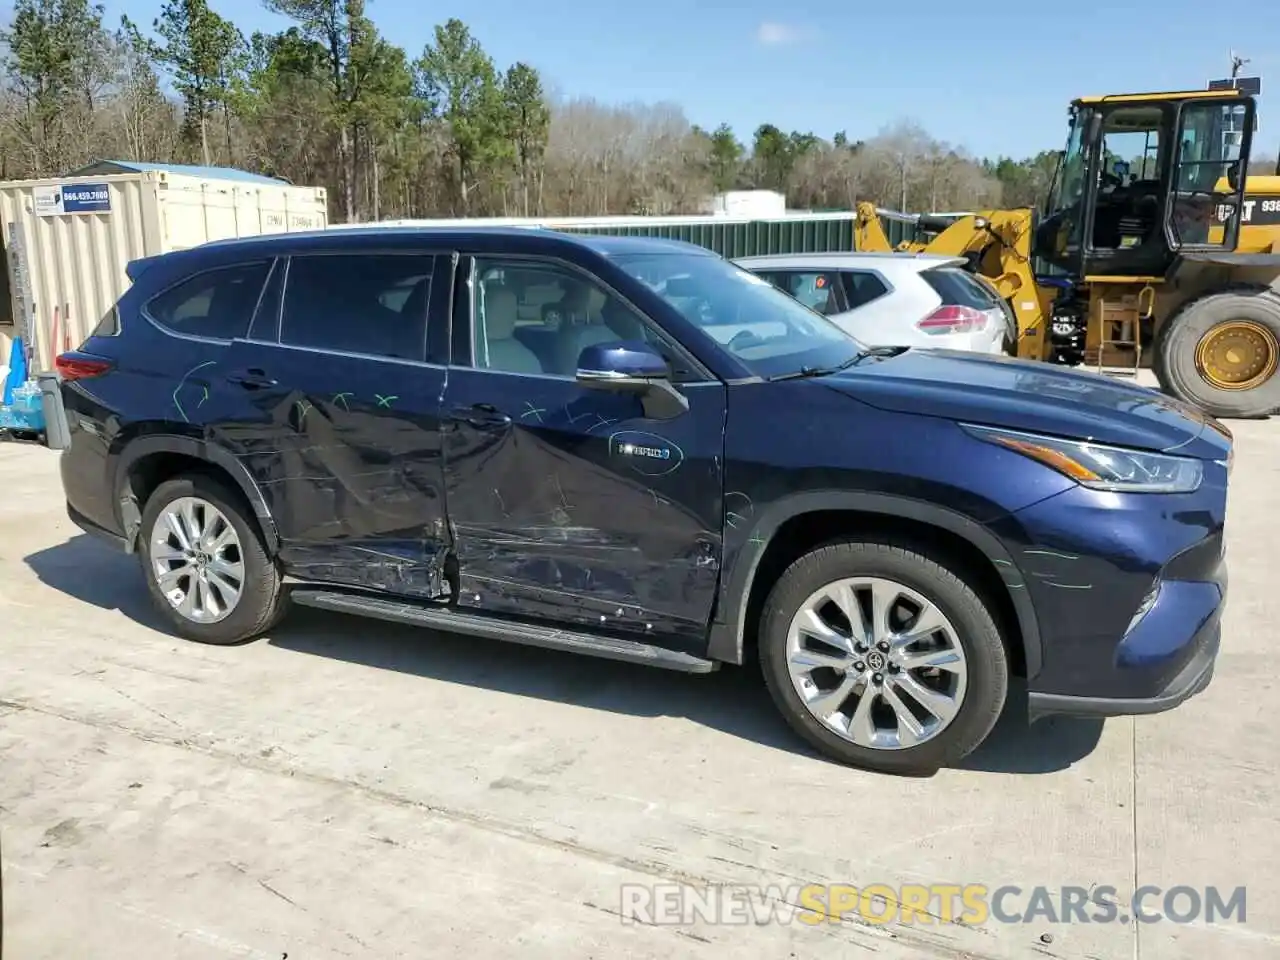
[1193, 678]
[1129, 593]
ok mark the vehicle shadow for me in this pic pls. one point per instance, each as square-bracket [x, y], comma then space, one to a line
[96, 573]
[1015, 746]
[732, 700]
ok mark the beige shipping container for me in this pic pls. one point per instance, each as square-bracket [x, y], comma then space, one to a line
[67, 241]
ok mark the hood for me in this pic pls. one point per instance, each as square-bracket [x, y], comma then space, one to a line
[1031, 396]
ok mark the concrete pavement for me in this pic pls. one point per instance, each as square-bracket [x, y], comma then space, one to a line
[346, 788]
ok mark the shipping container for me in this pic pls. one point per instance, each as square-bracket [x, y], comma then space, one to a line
[753, 204]
[67, 241]
[726, 235]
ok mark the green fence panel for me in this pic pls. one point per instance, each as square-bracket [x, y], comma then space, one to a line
[756, 237]
[745, 239]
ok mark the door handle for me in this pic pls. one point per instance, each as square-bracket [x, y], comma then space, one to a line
[252, 379]
[481, 415]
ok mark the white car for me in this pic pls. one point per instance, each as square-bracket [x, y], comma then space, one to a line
[896, 299]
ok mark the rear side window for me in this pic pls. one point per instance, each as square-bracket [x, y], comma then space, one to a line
[358, 303]
[958, 289]
[216, 303]
[861, 287]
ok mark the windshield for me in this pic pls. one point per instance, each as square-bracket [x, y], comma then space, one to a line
[1068, 185]
[768, 331]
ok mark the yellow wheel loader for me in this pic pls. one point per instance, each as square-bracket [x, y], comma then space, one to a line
[1160, 251]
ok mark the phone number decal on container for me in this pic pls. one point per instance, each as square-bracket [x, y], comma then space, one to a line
[72, 198]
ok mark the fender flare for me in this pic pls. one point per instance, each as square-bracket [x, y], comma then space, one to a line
[131, 511]
[726, 637]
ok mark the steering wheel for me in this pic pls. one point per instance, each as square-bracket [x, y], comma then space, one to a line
[745, 338]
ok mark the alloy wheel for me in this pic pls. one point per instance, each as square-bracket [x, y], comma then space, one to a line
[877, 663]
[196, 560]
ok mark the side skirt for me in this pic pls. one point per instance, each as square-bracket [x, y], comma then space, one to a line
[493, 628]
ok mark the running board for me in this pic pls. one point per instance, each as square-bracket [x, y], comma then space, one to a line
[479, 625]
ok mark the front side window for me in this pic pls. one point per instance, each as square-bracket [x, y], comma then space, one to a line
[1132, 147]
[372, 304]
[535, 318]
[769, 331]
[217, 304]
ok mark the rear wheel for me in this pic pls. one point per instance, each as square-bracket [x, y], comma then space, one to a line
[205, 564]
[883, 658]
[1221, 353]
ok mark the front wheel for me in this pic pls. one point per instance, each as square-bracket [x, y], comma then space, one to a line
[205, 564]
[883, 658]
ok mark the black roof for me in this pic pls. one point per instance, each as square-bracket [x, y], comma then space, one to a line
[523, 239]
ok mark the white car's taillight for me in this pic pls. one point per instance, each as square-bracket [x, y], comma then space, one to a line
[954, 319]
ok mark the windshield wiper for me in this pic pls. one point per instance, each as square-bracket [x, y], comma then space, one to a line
[804, 372]
[880, 352]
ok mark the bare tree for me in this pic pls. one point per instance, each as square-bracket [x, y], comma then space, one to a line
[330, 102]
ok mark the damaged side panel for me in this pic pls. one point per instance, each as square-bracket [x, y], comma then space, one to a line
[569, 505]
[346, 447]
[356, 494]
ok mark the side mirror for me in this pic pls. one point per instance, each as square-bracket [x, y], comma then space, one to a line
[623, 365]
[635, 367]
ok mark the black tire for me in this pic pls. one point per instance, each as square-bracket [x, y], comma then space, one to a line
[263, 599]
[976, 630]
[1175, 352]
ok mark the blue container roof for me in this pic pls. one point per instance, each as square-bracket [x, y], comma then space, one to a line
[106, 167]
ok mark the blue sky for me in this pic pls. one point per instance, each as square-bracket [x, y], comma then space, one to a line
[994, 82]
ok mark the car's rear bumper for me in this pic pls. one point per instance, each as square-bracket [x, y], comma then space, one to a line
[989, 341]
[102, 533]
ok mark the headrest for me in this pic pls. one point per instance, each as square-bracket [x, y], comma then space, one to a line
[500, 314]
[596, 299]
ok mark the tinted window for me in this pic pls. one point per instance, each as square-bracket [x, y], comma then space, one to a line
[767, 330]
[217, 303]
[957, 288]
[816, 290]
[861, 287]
[358, 303]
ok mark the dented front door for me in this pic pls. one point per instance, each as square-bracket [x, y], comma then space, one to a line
[567, 503]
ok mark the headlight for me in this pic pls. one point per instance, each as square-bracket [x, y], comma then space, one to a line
[1101, 467]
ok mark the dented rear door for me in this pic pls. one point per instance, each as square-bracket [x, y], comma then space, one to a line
[347, 420]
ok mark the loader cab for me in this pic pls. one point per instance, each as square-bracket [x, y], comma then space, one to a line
[1145, 178]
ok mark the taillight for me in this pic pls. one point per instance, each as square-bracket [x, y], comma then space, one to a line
[79, 366]
[952, 318]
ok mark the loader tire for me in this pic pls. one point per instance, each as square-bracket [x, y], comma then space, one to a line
[1185, 364]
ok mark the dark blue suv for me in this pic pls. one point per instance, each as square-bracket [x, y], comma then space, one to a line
[634, 449]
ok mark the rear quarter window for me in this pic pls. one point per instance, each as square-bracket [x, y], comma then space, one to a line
[957, 288]
[217, 304]
[109, 325]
